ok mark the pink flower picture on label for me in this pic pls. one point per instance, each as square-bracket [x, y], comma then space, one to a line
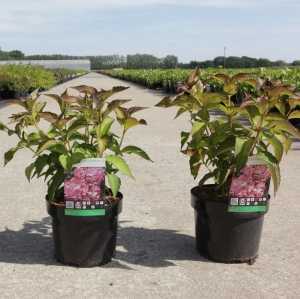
[252, 182]
[85, 183]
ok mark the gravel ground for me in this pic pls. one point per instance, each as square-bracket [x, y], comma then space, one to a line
[156, 256]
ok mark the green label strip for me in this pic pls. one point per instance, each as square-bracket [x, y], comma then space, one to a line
[247, 209]
[82, 213]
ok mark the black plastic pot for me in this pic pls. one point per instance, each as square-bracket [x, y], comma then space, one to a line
[222, 236]
[85, 241]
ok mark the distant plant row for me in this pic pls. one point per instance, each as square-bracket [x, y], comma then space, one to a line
[20, 80]
[169, 79]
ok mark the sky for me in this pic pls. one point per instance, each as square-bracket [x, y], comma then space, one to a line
[189, 29]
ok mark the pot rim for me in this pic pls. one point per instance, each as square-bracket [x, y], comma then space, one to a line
[212, 189]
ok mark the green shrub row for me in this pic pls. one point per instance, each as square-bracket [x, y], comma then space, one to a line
[20, 80]
[167, 79]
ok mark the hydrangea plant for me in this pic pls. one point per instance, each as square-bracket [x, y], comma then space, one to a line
[222, 144]
[83, 128]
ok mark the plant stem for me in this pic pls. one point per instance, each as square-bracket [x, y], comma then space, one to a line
[257, 134]
[29, 147]
[122, 137]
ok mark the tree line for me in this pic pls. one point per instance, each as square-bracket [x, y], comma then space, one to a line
[242, 62]
[147, 61]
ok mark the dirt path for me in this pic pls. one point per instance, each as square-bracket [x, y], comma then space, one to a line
[155, 254]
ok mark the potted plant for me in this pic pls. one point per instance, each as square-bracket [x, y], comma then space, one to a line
[224, 145]
[88, 125]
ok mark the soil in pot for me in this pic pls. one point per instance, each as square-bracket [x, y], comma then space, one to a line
[223, 236]
[85, 241]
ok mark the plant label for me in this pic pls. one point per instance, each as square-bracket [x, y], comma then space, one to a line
[249, 191]
[84, 189]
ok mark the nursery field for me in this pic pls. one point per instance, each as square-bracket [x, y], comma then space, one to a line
[156, 255]
[19, 80]
[167, 79]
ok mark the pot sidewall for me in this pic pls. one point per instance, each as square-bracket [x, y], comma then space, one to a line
[85, 241]
[223, 236]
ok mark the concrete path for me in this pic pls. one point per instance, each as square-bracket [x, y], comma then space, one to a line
[156, 257]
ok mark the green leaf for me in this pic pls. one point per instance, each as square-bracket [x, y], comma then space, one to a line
[78, 136]
[277, 146]
[286, 126]
[294, 103]
[179, 112]
[230, 88]
[273, 167]
[54, 184]
[187, 101]
[9, 155]
[121, 113]
[277, 91]
[87, 150]
[53, 145]
[239, 143]
[267, 157]
[86, 89]
[197, 126]
[131, 149]
[193, 77]
[294, 114]
[115, 104]
[49, 116]
[195, 163]
[105, 94]
[241, 77]
[285, 141]
[276, 176]
[120, 164]
[184, 138]
[197, 90]
[224, 173]
[132, 122]
[281, 107]
[204, 115]
[135, 109]
[76, 158]
[40, 164]
[2, 127]
[34, 95]
[213, 98]
[65, 161]
[114, 183]
[78, 123]
[37, 108]
[206, 177]
[105, 126]
[242, 151]
[254, 115]
[222, 77]
[28, 171]
[165, 102]
[102, 145]
[274, 116]
[34, 137]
